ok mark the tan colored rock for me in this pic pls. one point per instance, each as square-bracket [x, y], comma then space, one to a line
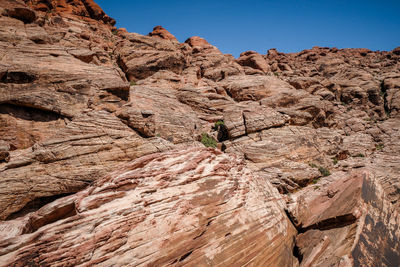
[391, 87]
[157, 112]
[351, 75]
[195, 207]
[211, 62]
[254, 60]
[88, 147]
[4, 151]
[385, 160]
[49, 78]
[288, 156]
[197, 41]
[344, 222]
[302, 107]
[208, 103]
[243, 88]
[68, 117]
[249, 117]
[142, 56]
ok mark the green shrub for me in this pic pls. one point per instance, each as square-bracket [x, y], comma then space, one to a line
[380, 146]
[324, 171]
[315, 180]
[217, 124]
[335, 160]
[312, 165]
[360, 155]
[133, 83]
[208, 141]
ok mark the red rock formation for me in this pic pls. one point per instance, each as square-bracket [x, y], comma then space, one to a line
[86, 8]
[253, 60]
[141, 56]
[194, 207]
[84, 106]
[197, 41]
[344, 223]
[159, 31]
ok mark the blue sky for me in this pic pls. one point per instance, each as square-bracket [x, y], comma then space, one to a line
[287, 25]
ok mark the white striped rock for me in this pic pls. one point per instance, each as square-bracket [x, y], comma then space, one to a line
[194, 207]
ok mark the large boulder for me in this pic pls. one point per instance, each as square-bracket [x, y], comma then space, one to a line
[253, 60]
[87, 148]
[347, 221]
[156, 111]
[160, 32]
[142, 56]
[197, 207]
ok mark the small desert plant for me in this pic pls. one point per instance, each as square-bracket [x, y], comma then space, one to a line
[379, 146]
[335, 160]
[360, 155]
[315, 180]
[324, 171]
[312, 165]
[208, 141]
[133, 83]
[217, 124]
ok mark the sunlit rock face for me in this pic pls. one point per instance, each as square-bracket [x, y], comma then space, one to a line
[197, 206]
[344, 221]
[102, 158]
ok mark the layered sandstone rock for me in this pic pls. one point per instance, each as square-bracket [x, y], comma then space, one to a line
[162, 33]
[82, 8]
[253, 60]
[80, 100]
[197, 207]
[347, 221]
[157, 112]
[141, 56]
[87, 148]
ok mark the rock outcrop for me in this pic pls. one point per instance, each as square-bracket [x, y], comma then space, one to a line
[347, 221]
[197, 207]
[162, 33]
[101, 158]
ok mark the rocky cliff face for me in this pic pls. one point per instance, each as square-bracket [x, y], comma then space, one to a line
[101, 161]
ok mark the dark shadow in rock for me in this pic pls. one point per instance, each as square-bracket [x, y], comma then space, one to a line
[28, 113]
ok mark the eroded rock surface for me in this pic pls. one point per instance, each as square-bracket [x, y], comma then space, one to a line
[347, 221]
[84, 106]
[198, 207]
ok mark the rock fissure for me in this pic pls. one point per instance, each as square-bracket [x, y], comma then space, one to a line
[36, 204]
[385, 98]
[331, 223]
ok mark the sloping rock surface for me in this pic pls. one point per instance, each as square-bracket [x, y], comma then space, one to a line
[198, 207]
[84, 106]
[348, 221]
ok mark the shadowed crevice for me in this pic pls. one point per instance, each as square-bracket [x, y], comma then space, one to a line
[24, 112]
[35, 205]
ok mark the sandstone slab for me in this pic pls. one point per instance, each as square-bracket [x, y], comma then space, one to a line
[197, 207]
